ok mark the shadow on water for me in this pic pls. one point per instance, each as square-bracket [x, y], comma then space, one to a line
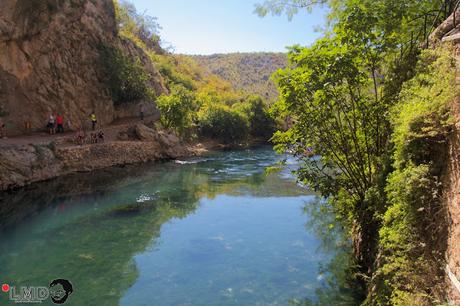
[338, 284]
[89, 227]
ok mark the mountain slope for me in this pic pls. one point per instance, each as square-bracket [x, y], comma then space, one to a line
[249, 72]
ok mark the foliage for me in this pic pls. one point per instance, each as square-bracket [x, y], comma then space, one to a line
[421, 118]
[127, 79]
[221, 122]
[138, 26]
[167, 67]
[326, 90]
[290, 8]
[378, 123]
[421, 125]
[177, 109]
[261, 124]
[406, 259]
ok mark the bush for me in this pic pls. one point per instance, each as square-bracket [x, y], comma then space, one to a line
[261, 124]
[127, 80]
[421, 119]
[223, 123]
[169, 72]
[411, 264]
[133, 24]
[178, 109]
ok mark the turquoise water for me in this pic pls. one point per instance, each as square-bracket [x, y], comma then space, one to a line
[204, 231]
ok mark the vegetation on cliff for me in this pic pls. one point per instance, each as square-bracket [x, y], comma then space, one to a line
[127, 80]
[374, 108]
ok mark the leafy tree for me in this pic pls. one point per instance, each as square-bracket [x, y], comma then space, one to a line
[289, 7]
[177, 109]
[346, 94]
[220, 122]
[261, 124]
[168, 67]
[141, 26]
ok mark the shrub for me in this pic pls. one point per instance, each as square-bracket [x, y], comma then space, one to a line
[410, 271]
[133, 24]
[421, 119]
[261, 124]
[223, 123]
[178, 109]
[127, 80]
[169, 72]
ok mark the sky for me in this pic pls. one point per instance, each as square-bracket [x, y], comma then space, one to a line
[225, 26]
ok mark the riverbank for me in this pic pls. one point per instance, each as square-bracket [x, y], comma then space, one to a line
[26, 162]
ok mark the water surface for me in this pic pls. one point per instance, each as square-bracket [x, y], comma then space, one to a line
[214, 230]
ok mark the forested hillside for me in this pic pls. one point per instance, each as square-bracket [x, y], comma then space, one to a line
[249, 72]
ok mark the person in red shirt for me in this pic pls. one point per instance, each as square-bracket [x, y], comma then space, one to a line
[60, 123]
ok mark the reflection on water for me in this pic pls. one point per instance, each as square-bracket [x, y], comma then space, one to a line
[204, 231]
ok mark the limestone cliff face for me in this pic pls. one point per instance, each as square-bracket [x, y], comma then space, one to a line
[49, 61]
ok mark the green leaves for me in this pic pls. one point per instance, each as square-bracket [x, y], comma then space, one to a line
[327, 90]
[126, 78]
[290, 7]
[421, 117]
[178, 109]
[221, 122]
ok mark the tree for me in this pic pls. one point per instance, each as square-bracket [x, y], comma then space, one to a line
[221, 122]
[288, 7]
[177, 109]
[143, 26]
[261, 124]
[340, 93]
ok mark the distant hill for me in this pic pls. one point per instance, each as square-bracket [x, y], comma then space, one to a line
[246, 71]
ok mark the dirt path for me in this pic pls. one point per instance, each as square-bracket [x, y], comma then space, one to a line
[42, 138]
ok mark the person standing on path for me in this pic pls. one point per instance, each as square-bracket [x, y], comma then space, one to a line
[93, 120]
[141, 111]
[60, 123]
[27, 126]
[2, 129]
[51, 124]
[69, 124]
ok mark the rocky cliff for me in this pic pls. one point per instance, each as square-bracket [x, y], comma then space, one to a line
[448, 32]
[49, 62]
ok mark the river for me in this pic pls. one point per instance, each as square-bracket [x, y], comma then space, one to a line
[214, 230]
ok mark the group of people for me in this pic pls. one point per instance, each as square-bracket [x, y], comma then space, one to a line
[55, 123]
[94, 137]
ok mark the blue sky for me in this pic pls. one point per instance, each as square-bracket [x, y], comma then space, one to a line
[223, 26]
